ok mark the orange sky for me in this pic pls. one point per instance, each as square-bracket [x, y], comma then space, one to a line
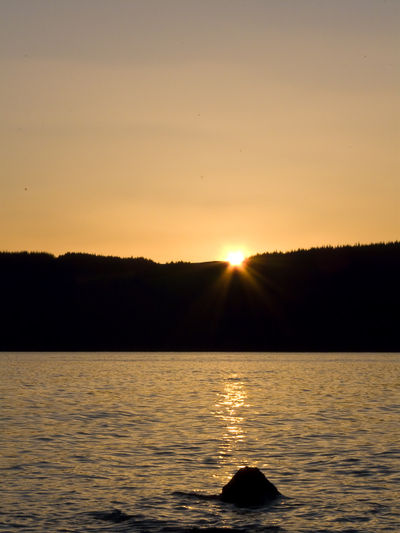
[180, 129]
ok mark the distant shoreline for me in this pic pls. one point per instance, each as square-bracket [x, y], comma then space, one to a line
[343, 299]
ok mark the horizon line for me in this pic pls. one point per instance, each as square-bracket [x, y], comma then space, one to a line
[257, 254]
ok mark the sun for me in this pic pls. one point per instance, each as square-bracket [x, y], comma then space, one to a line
[236, 258]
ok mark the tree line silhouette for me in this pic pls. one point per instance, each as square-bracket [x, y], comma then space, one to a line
[321, 299]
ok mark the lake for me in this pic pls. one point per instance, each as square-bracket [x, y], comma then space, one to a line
[83, 434]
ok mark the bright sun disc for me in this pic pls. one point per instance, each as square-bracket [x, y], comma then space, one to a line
[235, 258]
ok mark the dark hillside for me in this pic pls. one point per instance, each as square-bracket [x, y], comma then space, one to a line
[324, 299]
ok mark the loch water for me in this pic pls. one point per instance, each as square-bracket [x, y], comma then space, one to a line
[149, 434]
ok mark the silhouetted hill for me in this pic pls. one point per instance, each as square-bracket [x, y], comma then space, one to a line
[325, 299]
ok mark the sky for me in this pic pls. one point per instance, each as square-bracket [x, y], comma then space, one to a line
[182, 129]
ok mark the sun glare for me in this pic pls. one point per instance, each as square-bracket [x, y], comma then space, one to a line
[236, 258]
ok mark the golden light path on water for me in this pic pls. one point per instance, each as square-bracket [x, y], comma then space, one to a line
[229, 409]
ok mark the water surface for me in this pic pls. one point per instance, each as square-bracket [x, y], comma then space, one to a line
[85, 433]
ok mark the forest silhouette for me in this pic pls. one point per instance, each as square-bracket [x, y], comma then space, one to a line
[322, 299]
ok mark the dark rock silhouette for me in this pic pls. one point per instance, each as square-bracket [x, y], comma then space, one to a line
[249, 486]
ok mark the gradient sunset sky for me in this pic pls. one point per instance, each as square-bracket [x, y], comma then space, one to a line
[180, 129]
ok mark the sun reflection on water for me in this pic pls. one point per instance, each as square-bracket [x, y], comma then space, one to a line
[229, 410]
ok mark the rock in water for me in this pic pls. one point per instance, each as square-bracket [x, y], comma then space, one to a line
[249, 486]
